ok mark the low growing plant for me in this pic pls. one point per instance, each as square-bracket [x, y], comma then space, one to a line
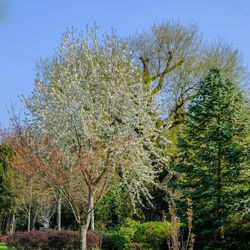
[52, 240]
[121, 236]
[135, 235]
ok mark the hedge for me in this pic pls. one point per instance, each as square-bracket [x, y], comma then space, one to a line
[52, 240]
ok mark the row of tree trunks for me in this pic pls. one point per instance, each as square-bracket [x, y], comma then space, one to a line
[8, 221]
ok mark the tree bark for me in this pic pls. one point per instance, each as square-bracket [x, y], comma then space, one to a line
[13, 222]
[59, 211]
[83, 237]
[91, 210]
[29, 208]
[92, 220]
[34, 221]
[29, 218]
[85, 223]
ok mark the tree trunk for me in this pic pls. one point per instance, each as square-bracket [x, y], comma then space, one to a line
[59, 211]
[91, 210]
[85, 224]
[83, 237]
[92, 220]
[34, 221]
[29, 218]
[45, 221]
[29, 208]
[13, 222]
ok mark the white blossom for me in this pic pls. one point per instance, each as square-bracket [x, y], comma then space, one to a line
[92, 95]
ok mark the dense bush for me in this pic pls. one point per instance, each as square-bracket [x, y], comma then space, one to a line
[120, 237]
[153, 234]
[134, 235]
[63, 240]
[114, 208]
[28, 240]
[52, 240]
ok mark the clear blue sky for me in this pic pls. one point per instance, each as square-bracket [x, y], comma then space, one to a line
[31, 29]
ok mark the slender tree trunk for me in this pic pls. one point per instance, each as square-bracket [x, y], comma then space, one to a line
[84, 225]
[92, 212]
[34, 221]
[83, 237]
[29, 218]
[13, 222]
[59, 211]
[92, 220]
[29, 208]
[46, 223]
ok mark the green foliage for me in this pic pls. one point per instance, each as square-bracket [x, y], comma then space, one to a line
[114, 208]
[218, 245]
[237, 232]
[3, 246]
[132, 234]
[6, 179]
[212, 153]
[152, 233]
[121, 236]
[5, 170]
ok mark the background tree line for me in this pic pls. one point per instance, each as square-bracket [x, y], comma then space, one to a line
[162, 99]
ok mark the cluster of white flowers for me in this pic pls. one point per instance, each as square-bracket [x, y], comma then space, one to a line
[92, 98]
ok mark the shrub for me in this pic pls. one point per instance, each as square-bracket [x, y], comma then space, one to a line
[152, 234]
[27, 240]
[52, 240]
[140, 246]
[133, 235]
[63, 240]
[121, 236]
[215, 245]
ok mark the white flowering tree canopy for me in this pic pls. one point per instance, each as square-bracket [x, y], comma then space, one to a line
[92, 101]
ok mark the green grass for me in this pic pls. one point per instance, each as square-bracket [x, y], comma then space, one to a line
[3, 246]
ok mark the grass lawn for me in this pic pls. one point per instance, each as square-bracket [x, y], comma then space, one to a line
[4, 247]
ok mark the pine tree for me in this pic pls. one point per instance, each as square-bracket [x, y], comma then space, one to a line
[212, 153]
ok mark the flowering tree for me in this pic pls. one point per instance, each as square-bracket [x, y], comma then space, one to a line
[31, 164]
[92, 103]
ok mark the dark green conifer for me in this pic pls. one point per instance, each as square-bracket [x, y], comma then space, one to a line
[212, 153]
